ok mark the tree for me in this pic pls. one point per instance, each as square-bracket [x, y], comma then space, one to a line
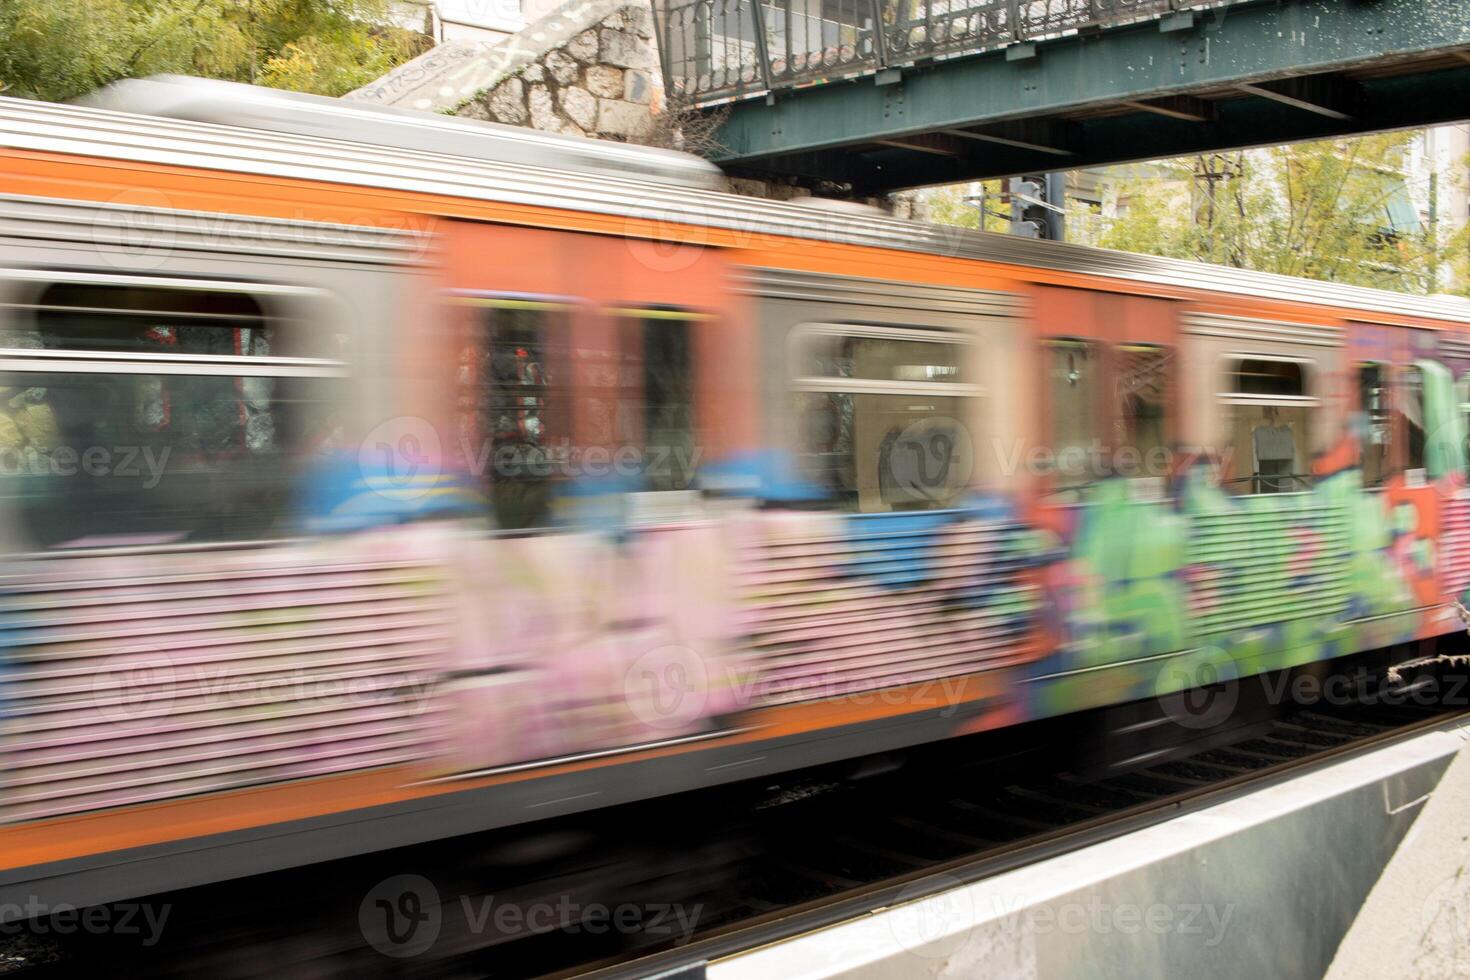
[60, 49]
[1339, 210]
[960, 205]
[1458, 252]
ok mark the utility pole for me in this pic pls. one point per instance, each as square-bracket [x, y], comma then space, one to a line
[1431, 154]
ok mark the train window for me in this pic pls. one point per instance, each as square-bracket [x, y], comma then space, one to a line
[884, 359]
[1074, 381]
[84, 317]
[1268, 415]
[142, 414]
[879, 414]
[1377, 429]
[1141, 399]
[1462, 398]
[514, 407]
[1269, 378]
[1410, 404]
[666, 363]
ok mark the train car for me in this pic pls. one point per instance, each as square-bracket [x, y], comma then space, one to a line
[371, 477]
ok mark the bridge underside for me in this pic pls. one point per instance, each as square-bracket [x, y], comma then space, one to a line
[1196, 81]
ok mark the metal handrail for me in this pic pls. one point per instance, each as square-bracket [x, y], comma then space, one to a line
[720, 50]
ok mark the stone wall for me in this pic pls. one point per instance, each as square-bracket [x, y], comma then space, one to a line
[446, 77]
[601, 82]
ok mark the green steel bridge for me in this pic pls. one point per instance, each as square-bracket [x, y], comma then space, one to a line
[880, 95]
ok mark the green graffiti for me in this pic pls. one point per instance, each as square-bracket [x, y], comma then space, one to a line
[1263, 581]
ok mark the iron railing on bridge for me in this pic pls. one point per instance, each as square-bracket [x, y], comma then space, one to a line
[717, 50]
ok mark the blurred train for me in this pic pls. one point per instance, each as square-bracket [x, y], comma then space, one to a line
[368, 477]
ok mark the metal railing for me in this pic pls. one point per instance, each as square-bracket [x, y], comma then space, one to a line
[718, 50]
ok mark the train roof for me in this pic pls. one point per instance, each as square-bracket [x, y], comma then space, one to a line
[578, 180]
[256, 107]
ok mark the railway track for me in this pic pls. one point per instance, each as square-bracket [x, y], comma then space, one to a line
[667, 885]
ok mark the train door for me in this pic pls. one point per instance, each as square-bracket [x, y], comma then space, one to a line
[1109, 409]
[593, 380]
[1405, 408]
[1109, 422]
[591, 357]
[1388, 399]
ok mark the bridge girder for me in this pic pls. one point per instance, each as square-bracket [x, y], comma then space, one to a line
[1242, 75]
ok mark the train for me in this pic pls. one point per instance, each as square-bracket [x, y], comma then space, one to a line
[370, 477]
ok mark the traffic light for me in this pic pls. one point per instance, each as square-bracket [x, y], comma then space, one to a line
[1037, 205]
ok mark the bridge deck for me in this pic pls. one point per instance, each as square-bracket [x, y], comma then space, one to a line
[953, 90]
